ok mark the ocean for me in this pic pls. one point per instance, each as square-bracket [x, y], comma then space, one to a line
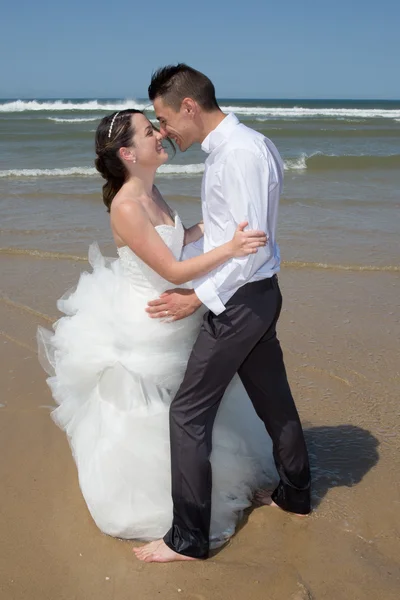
[340, 207]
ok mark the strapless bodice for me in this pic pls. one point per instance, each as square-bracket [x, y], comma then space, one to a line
[141, 275]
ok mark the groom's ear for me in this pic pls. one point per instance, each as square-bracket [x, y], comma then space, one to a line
[189, 106]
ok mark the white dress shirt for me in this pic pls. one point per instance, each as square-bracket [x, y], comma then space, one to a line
[242, 181]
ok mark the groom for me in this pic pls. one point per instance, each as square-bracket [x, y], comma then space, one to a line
[242, 182]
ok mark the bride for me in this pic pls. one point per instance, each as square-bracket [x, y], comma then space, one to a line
[114, 371]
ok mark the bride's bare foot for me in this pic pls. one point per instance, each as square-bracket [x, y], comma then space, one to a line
[263, 498]
[158, 551]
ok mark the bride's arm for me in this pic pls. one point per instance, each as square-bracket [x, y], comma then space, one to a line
[194, 233]
[132, 224]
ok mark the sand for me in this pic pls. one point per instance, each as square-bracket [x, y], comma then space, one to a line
[340, 334]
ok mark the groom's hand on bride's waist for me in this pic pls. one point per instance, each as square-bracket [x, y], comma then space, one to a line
[174, 305]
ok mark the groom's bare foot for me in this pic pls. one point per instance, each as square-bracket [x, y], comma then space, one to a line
[158, 551]
[264, 498]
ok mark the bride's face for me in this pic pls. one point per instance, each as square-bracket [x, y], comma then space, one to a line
[147, 143]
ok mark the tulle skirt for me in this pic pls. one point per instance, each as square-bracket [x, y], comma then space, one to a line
[113, 374]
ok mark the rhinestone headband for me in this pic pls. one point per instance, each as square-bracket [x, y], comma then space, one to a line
[112, 123]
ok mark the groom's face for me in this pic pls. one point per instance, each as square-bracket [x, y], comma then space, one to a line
[177, 125]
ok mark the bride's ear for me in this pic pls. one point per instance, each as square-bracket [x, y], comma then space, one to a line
[127, 154]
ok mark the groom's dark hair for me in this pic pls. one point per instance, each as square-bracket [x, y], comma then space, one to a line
[173, 83]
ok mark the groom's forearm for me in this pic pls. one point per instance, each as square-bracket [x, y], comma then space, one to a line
[194, 233]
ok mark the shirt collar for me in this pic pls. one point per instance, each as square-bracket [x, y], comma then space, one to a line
[220, 133]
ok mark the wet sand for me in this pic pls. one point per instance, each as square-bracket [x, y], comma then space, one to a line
[340, 333]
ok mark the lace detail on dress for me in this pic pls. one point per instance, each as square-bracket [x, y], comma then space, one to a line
[141, 274]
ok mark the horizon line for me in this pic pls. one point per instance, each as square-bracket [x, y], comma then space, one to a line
[221, 98]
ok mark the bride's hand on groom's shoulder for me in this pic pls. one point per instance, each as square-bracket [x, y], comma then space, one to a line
[174, 305]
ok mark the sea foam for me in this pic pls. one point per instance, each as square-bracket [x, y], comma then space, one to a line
[295, 112]
[316, 161]
[299, 112]
[78, 120]
[67, 172]
[91, 171]
[65, 105]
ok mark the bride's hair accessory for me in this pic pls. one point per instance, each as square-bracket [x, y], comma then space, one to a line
[112, 123]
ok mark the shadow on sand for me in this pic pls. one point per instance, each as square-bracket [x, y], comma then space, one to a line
[340, 455]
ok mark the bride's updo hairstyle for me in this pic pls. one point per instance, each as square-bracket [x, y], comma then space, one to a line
[114, 131]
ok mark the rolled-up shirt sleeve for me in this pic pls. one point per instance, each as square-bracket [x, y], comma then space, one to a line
[246, 181]
[193, 249]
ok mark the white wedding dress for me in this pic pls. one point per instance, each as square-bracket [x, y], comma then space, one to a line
[113, 373]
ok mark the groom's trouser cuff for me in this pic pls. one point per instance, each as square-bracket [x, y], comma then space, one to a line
[189, 534]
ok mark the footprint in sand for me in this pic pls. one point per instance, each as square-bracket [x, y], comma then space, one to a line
[302, 594]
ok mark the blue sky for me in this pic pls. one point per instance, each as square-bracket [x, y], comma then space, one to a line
[253, 49]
